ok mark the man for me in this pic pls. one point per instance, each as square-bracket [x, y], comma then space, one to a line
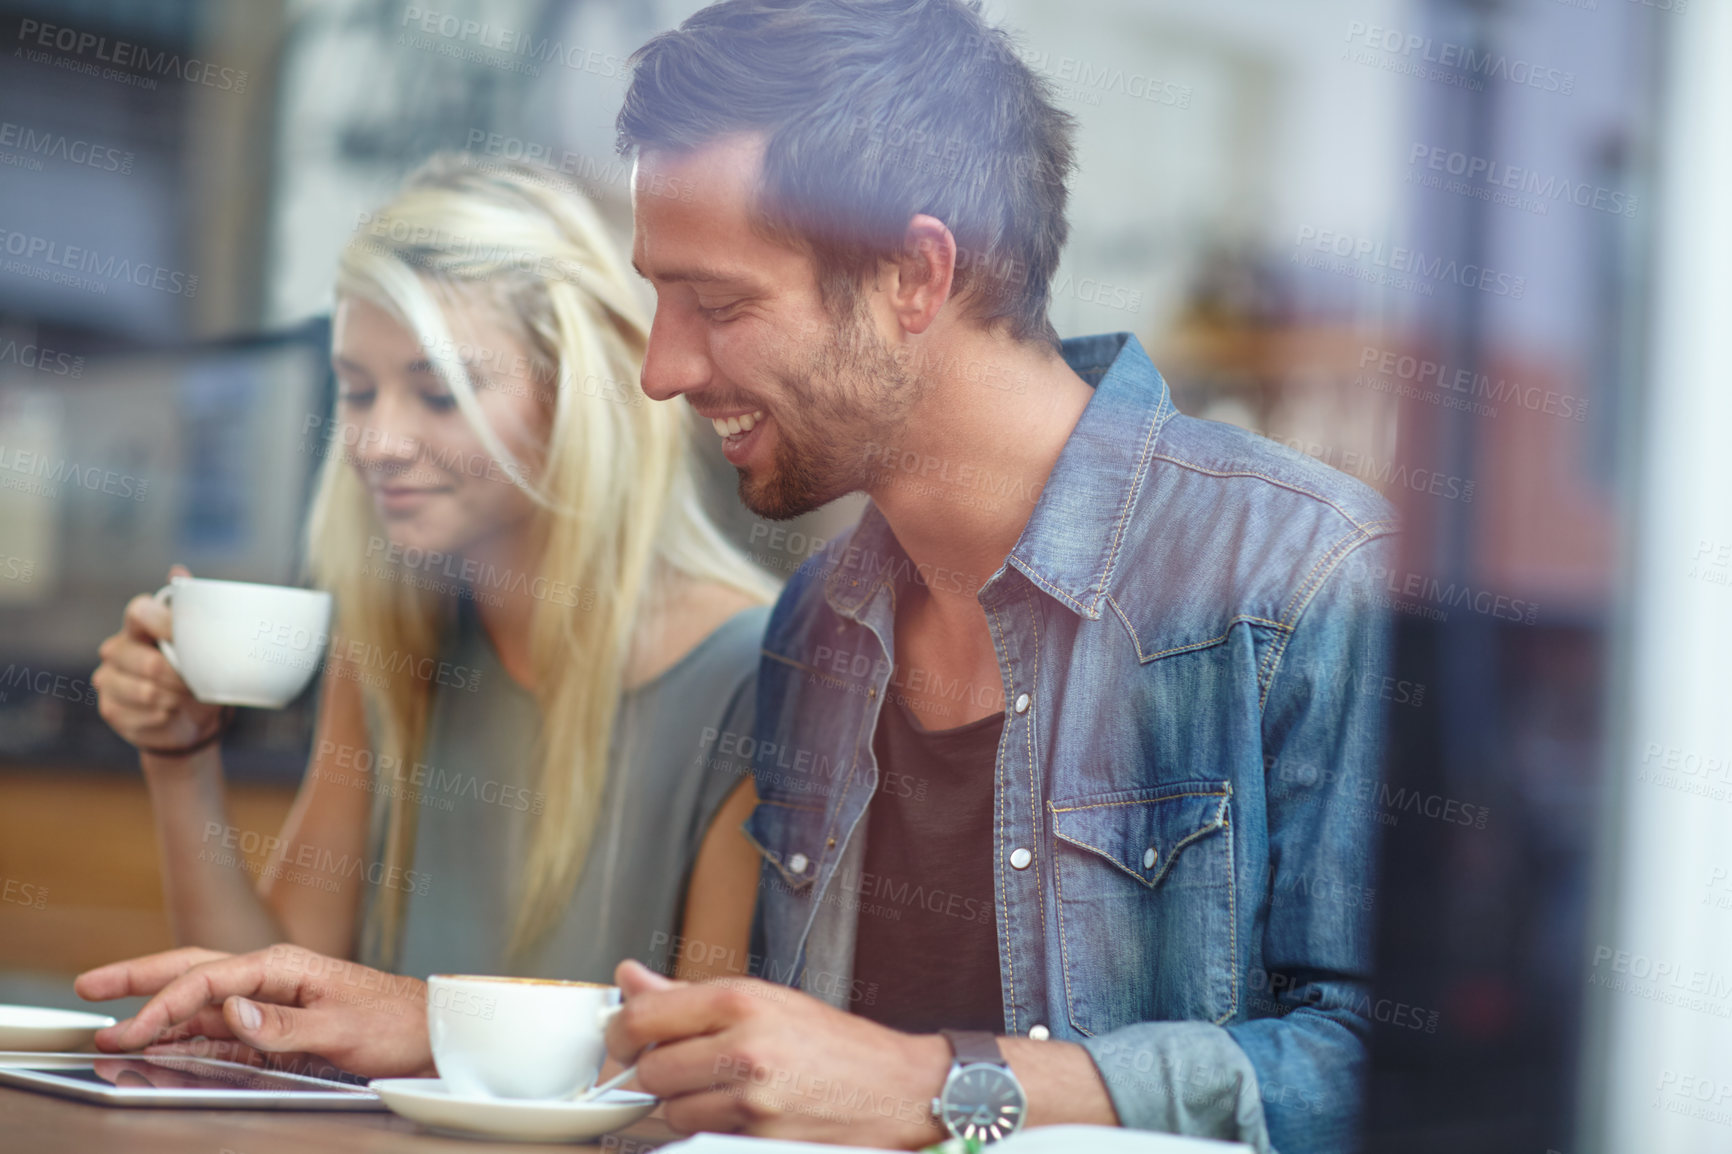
[1060, 746]
[1161, 608]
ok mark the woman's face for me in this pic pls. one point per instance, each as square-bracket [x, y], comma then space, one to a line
[432, 481]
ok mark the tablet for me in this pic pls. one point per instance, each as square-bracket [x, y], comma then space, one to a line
[174, 1080]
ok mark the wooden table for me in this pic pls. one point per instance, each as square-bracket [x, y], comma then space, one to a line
[44, 1124]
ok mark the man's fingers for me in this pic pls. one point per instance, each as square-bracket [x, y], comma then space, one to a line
[201, 986]
[206, 1024]
[274, 1029]
[634, 977]
[675, 1069]
[320, 1038]
[681, 1011]
[138, 976]
[712, 1111]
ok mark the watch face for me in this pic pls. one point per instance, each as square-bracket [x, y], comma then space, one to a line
[984, 1102]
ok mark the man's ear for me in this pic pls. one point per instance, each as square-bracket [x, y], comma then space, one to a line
[924, 272]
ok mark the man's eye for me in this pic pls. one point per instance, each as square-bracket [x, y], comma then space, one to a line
[439, 402]
[720, 312]
[355, 398]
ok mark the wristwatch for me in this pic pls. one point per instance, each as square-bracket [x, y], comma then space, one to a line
[981, 1098]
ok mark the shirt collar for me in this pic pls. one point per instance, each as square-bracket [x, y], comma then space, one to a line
[1074, 534]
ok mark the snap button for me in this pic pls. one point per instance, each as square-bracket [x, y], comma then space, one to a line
[1038, 1033]
[1022, 703]
[1149, 858]
[1020, 857]
[797, 864]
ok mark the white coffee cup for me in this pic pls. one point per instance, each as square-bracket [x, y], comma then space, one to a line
[237, 643]
[517, 1037]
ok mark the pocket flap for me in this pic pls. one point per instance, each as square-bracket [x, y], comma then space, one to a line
[1141, 831]
[790, 837]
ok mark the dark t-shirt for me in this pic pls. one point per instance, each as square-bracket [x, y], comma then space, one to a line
[928, 928]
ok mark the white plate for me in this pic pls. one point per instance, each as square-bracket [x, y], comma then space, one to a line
[425, 1100]
[40, 1028]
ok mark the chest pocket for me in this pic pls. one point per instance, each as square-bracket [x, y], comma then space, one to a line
[1144, 881]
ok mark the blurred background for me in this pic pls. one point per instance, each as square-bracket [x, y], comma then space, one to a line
[1419, 240]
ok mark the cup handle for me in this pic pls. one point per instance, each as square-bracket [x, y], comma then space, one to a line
[166, 596]
[603, 1016]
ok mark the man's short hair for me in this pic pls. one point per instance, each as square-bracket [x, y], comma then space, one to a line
[873, 111]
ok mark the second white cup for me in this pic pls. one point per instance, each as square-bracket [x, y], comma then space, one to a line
[517, 1037]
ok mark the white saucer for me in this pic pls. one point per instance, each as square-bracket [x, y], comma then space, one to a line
[425, 1100]
[40, 1028]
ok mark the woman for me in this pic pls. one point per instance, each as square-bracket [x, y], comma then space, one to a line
[538, 631]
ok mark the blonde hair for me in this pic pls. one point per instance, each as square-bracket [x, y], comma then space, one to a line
[617, 518]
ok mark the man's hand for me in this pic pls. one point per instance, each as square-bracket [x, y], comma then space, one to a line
[745, 1055]
[282, 1000]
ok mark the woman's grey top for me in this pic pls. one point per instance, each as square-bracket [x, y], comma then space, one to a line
[473, 830]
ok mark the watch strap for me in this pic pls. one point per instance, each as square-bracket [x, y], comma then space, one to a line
[974, 1046]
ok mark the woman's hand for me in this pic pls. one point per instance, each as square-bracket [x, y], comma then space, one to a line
[138, 692]
[281, 1000]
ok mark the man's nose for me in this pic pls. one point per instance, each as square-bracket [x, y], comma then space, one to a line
[677, 360]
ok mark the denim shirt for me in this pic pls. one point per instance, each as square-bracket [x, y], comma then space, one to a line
[1191, 643]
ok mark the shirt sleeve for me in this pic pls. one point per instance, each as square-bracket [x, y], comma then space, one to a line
[1288, 1077]
[1182, 1078]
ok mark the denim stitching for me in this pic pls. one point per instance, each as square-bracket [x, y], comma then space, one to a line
[1058, 593]
[1033, 800]
[1346, 547]
[1302, 594]
[1290, 486]
[1000, 805]
[1272, 660]
[1297, 604]
[1064, 954]
[1352, 541]
[794, 883]
[834, 826]
[1282, 650]
[1232, 906]
[1232, 928]
[790, 805]
[831, 823]
[774, 656]
[1139, 801]
[1149, 437]
[1167, 863]
[1191, 646]
[1316, 575]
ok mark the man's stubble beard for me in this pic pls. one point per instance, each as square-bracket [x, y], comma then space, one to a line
[862, 399]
